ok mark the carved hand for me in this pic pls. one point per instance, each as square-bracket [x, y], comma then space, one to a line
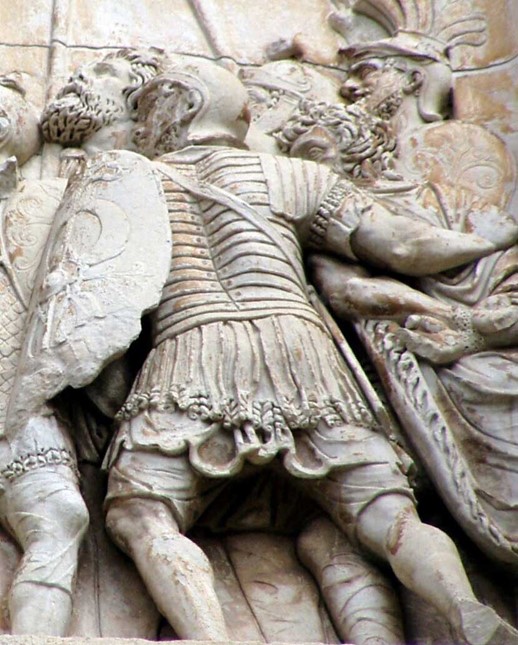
[438, 342]
[497, 318]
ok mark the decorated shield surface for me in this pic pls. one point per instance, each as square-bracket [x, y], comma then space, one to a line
[26, 217]
[26, 221]
[104, 266]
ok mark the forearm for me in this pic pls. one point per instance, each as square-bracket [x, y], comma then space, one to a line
[352, 293]
[413, 248]
[386, 299]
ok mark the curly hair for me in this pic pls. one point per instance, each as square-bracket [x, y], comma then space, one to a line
[366, 143]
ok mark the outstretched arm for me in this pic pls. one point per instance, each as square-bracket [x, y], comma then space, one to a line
[415, 248]
[433, 330]
[361, 227]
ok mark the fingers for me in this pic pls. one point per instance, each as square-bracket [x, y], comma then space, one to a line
[417, 343]
[439, 351]
[424, 324]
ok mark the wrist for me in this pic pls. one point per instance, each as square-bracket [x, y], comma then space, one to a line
[471, 339]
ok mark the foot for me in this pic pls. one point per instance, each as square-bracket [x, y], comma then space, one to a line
[478, 624]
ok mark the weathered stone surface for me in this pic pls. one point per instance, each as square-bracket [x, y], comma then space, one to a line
[495, 44]
[424, 181]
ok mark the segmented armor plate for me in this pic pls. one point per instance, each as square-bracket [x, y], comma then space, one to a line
[223, 266]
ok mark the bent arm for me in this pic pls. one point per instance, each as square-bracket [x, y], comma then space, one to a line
[413, 248]
[352, 224]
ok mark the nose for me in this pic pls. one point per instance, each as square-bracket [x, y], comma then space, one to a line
[77, 76]
[352, 89]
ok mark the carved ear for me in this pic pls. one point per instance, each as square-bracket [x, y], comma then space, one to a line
[415, 82]
[194, 103]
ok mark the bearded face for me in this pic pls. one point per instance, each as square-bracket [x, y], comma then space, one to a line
[347, 138]
[379, 85]
[92, 99]
[70, 120]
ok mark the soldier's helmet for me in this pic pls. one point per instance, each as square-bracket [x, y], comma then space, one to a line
[192, 103]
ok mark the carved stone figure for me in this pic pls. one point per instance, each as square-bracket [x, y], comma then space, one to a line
[407, 83]
[65, 129]
[444, 167]
[235, 340]
[40, 503]
[95, 110]
[463, 311]
[320, 545]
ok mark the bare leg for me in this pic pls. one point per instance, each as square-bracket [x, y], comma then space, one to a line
[176, 572]
[426, 561]
[363, 606]
[29, 602]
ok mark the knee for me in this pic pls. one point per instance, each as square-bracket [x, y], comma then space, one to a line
[318, 536]
[76, 518]
[130, 521]
[382, 520]
[61, 519]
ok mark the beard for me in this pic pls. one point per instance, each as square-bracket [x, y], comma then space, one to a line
[75, 114]
[370, 147]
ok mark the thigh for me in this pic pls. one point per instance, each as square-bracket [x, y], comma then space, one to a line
[168, 478]
[374, 470]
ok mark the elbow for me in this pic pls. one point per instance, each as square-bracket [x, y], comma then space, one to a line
[404, 260]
